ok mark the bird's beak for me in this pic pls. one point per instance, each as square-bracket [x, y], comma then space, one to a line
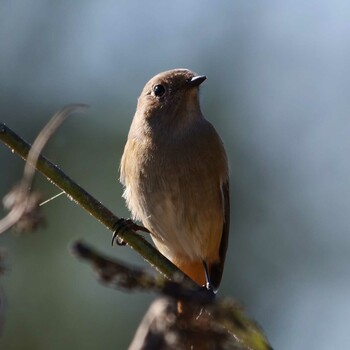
[196, 81]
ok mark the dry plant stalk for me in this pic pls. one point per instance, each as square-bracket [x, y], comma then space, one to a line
[20, 201]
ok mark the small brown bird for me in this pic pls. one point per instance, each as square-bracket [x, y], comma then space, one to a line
[175, 172]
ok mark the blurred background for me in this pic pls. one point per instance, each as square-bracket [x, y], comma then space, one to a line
[277, 92]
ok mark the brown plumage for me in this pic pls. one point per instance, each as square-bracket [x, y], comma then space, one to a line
[174, 169]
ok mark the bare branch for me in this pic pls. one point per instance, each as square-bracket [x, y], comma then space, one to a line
[189, 316]
[89, 203]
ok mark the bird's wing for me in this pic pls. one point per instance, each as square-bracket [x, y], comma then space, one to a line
[217, 269]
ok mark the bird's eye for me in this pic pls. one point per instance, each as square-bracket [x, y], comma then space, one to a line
[159, 90]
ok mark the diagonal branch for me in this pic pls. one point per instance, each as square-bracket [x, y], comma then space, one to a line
[54, 174]
[197, 320]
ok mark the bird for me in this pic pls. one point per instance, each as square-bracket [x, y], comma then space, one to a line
[175, 174]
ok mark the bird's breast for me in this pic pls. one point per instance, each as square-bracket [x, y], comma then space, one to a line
[173, 187]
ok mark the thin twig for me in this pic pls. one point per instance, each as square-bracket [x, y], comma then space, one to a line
[22, 191]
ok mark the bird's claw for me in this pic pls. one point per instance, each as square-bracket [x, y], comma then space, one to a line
[121, 226]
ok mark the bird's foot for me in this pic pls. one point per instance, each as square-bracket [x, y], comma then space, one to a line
[121, 226]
